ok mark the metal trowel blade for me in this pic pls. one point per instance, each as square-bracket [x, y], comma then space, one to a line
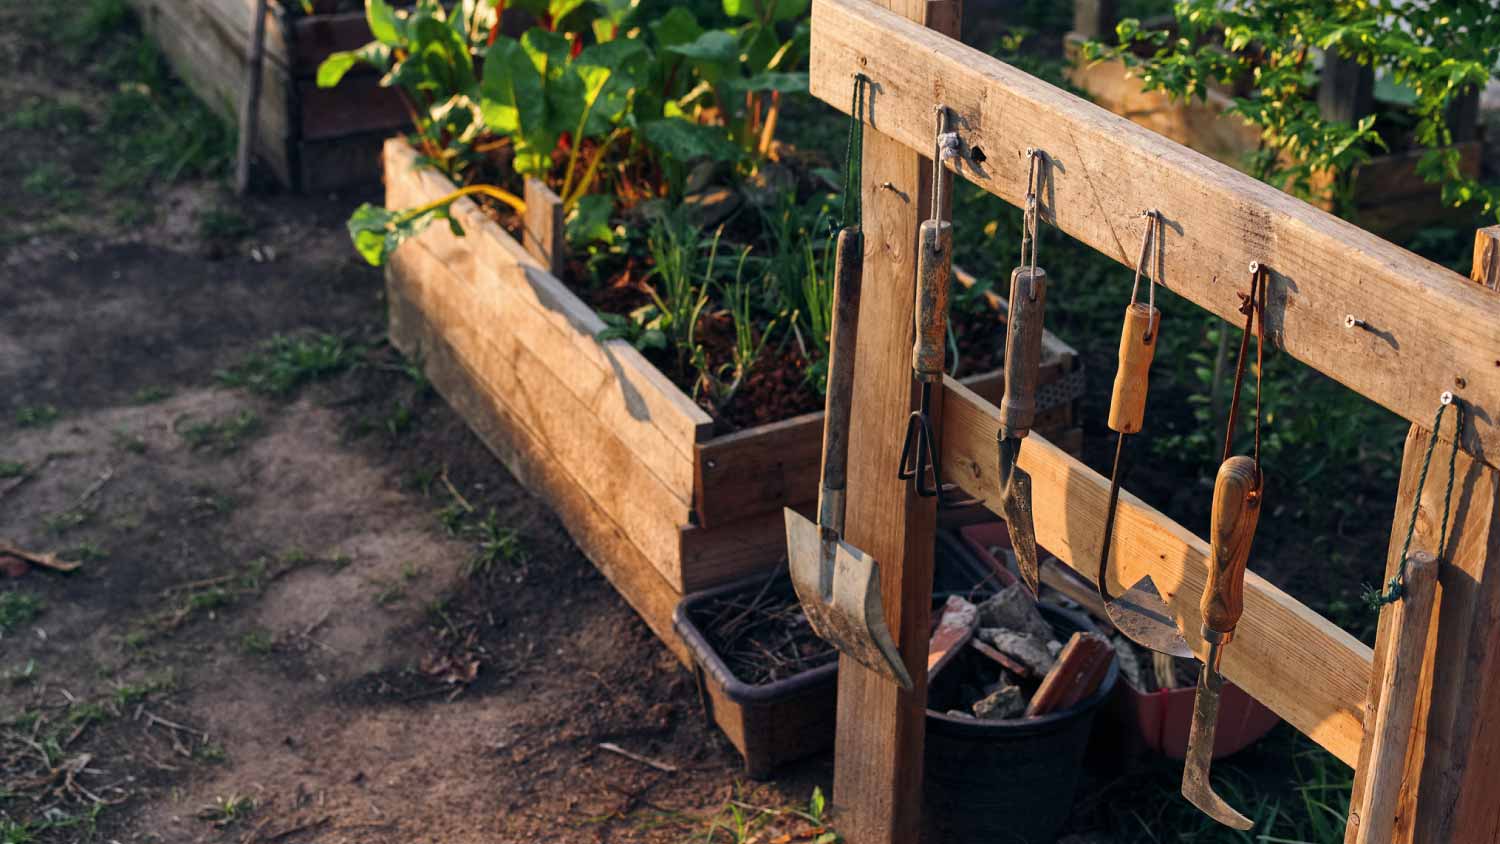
[1142, 615]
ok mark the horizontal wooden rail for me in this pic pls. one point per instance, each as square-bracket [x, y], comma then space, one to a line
[1288, 657]
[1429, 329]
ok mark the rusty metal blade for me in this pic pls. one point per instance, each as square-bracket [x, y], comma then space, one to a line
[839, 588]
[1195, 784]
[1142, 616]
[1015, 504]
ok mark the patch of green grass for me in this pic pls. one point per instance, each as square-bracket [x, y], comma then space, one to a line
[51, 116]
[224, 224]
[211, 753]
[151, 395]
[209, 600]
[17, 609]
[421, 480]
[257, 642]
[60, 523]
[227, 811]
[284, 364]
[495, 544]
[223, 435]
[400, 419]
[11, 469]
[37, 415]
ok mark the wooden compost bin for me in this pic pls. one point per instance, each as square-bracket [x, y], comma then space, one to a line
[313, 139]
[1390, 198]
[627, 460]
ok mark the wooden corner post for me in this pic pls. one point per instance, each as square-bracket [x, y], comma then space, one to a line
[878, 752]
[1452, 768]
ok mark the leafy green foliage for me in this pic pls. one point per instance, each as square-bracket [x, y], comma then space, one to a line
[1439, 50]
[284, 364]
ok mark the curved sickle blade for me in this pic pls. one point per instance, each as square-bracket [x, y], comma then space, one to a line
[1142, 616]
[1195, 784]
[1015, 504]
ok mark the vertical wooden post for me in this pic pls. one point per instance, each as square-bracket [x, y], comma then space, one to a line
[542, 226]
[1486, 269]
[877, 782]
[1347, 91]
[1095, 19]
[1452, 769]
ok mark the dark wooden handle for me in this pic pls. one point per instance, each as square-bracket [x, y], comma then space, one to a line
[1236, 511]
[848, 267]
[1023, 350]
[934, 271]
[1127, 405]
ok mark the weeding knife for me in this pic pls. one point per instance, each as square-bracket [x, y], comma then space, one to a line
[1023, 358]
[1236, 511]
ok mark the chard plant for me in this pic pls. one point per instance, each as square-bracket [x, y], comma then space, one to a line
[1438, 49]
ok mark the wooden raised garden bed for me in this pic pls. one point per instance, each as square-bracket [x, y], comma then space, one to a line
[1389, 197]
[627, 459]
[313, 139]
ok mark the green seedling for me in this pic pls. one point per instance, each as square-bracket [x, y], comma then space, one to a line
[18, 609]
[151, 395]
[36, 416]
[222, 436]
[284, 364]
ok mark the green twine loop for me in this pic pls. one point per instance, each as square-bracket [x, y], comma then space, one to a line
[1396, 589]
[853, 211]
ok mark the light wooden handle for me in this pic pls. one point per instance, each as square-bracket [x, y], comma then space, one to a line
[1236, 511]
[1409, 620]
[1127, 405]
[934, 269]
[1023, 350]
[848, 266]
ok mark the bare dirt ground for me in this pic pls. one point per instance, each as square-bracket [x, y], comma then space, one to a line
[310, 605]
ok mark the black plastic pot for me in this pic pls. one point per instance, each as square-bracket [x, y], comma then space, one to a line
[770, 723]
[1008, 781]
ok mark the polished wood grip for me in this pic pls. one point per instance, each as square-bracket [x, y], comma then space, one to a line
[1409, 621]
[934, 271]
[1023, 350]
[1236, 511]
[848, 266]
[1127, 405]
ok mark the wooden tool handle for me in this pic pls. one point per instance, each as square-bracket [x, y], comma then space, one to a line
[1409, 620]
[1236, 511]
[934, 268]
[848, 267]
[1127, 405]
[1023, 350]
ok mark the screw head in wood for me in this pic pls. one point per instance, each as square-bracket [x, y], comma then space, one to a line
[1254, 266]
[1446, 397]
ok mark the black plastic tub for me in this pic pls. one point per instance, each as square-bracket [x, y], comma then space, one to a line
[1008, 781]
[769, 723]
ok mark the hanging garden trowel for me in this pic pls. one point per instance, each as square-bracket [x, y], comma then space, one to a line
[838, 584]
[1140, 613]
[1023, 358]
[1236, 510]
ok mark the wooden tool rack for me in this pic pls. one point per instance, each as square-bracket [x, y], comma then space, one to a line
[1430, 331]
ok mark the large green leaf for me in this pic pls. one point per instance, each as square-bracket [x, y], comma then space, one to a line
[333, 68]
[786, 83]
[677, 26]
[609, 72]
[384, 24]
[715, 45]
[512, 95]
[688, 141]
[444, 56]
[778, 10]
[589, 222]
[377, 231]
[760, 46]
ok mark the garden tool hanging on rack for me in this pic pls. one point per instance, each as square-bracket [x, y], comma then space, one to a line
[838, 584]
[1139, 613]
[1238, 494]
[919, 457]
[1023, 358]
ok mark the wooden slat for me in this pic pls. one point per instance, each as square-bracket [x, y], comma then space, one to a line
[620, 387]
[1288, 657]
[711, 556]
[542, 226]
[878, 751]
[1434, 331]
[507, 436]
[596, 458]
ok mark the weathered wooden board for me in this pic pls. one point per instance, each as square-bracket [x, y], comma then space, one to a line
[597, 459]
[1296, 662]
[612, 379]
[1434, 330]
[506, 434]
